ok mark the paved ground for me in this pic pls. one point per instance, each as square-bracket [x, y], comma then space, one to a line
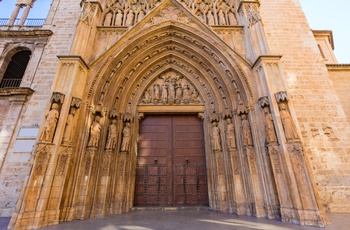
[187, 219]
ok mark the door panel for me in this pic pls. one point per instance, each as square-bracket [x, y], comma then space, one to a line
[171, 166]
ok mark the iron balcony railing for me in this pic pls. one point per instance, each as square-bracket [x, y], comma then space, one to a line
[10, 83]
[28, 22]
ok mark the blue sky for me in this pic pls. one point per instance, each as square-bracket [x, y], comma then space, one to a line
[321, 14]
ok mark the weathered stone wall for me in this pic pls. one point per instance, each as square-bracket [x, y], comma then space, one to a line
[321, 120]
[62, 20]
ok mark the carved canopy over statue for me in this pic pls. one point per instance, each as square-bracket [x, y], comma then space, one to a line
[130, 12]
[171, 89]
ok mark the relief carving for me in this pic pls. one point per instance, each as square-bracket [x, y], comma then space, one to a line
[169, 89]
[231, 139]
[247, 135]
[274, 153]
[50, 124]
[95, 132]
[269, 127]
[253, 14]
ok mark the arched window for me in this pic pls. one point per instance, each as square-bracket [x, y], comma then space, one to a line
[15, 69]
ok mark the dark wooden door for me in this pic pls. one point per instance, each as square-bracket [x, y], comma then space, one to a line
[171, 169]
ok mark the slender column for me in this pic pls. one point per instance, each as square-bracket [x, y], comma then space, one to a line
[14, 15]
[24, 15]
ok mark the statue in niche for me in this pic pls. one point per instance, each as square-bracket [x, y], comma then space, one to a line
[200, 16]
[287, 122]
[70, 126]
[50, 123]
[140, 16]
[269, 127]
[232, 18]
[171, 91]
[156, 93]
[108, 19]
[216, 137]
[119, 18]
[147, 98]
[195, 96]
[210, 18]
[95, 131]
[112, 135]
[164, 93]
[247, 135]
[222, 20]
[178, 92]
[186, 94]
[126, 137]
[231, 139]
[130, 18]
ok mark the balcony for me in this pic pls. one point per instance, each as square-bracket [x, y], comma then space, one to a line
[34, 22]
[10, 83]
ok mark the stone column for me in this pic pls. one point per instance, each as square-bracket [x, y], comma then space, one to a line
[24, 15]
[14, 15]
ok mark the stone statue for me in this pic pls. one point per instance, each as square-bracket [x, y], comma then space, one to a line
[126, 137]
[178, 92]
[147, 97]
[269, 127]
[140, 16]
[195, 96]
[108, 19]
[70, 125]
[287, 122]
[231, 139]
[164, 93]
[156, 93]
[112, 135]
[119, 18]
[232, 18]
[186, 94]
[171, 91]
[95, 131]
[130, 18]
[247, 135]
[50, 123]
[222, 20]
[210, 18]
[216, 137]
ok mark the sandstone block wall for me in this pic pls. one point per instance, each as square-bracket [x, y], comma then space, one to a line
[61, 20]
[321, 120]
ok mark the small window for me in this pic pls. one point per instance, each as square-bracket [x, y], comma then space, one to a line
[15, 70]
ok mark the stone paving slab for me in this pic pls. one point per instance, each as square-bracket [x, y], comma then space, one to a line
[187, 219]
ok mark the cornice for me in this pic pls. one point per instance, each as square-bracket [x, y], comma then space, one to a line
[261, 58]
[16, 91]
[327, 33]
[24, 33]
[338, 67]
[73, 57]
[247, 2]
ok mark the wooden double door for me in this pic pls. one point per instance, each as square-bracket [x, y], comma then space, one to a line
[171, 168]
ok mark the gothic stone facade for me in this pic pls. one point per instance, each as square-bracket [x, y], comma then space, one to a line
[276, 134]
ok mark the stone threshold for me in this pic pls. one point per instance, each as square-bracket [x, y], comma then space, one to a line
[170, 208]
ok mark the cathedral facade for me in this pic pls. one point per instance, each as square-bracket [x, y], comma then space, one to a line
[107, 105]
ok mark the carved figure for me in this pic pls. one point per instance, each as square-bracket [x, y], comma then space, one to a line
[287, 122]
[130, 18]
[186, 94]
[164, 93]
[178, 93]
[231, 139]
[269, 127]
[147, 97]
[210, 18]
[222, 20]
[195, 96]
[171, 91]
[216, 137]
[232, 18]
[140, 16]
[247, 135]
[253, 15]
[68, 131]
[108, 19]
[95, 131]
[126, 137]
[112, 135]
[119, 18]
[156, 93]
[50, 124]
